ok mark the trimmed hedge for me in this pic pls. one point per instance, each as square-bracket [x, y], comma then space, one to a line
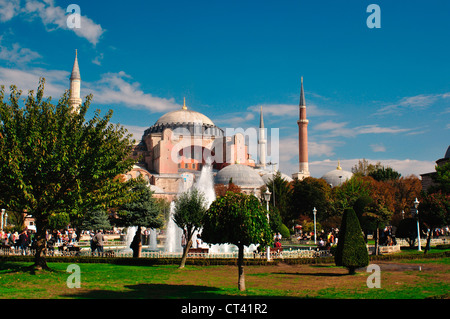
[211, 261]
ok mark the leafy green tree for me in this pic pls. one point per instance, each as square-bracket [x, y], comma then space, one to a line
[384, 174]
[54, 164]
[364, 168]
[237, 219]
[378, 215]
[307, 194]
[441, 179]
[95, 220]
[190, 207]
[348, 193]
[407, 229]
[281, 194]
[351, 250]
[143, 211]
[434, 212]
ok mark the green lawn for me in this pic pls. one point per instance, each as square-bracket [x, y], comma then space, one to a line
[275, 281]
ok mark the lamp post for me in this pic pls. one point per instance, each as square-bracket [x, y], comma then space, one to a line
[315, 230]
[267, 199]
[3, 213]
[416, 205]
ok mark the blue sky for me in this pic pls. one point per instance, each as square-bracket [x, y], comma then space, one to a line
[382, 94]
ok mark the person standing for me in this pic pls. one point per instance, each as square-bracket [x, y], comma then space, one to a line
[23, 242]
[99, 241]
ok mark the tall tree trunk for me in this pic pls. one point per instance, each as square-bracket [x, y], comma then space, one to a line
[377, 241]
[41, 242]
[428, 246]
[241, 280]
[185, 252]
[136, 244]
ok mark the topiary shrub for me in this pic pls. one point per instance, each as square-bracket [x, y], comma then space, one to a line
[284, 231]
[351, 250]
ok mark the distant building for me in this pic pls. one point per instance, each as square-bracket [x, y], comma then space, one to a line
[427, 178]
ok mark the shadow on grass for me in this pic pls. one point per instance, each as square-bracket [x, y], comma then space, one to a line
[24, 267]
[314, 274]
[167, 291]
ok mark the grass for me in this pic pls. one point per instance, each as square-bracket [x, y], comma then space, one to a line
[275, 281]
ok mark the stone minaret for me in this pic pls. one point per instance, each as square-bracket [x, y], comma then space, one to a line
[262, 142]
[75, 84]
[302, 139]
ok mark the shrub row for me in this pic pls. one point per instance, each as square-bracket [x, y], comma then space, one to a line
[211, 261]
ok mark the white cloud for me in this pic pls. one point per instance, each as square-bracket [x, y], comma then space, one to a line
[9, 9]
[117, 88]
[136, 131]
[26, 80]
[289, 110]
[417, 102]
[403, 166]
[52, 17]
[335, 129]
[378, 147]
[15, 54]
[112, 88]
[236, 119]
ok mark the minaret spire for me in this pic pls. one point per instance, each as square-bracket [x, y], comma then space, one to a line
[302, 95]
[302, 138]
[262, 141]
[184, 104]
[75, 85]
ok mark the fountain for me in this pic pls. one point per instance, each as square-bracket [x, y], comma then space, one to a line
[204, 184]
[173, 234]
[131, 231]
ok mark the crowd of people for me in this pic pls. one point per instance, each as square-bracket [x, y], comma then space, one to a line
[23, 240]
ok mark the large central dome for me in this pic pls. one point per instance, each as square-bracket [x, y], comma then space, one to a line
[184, 116]
[197, 123]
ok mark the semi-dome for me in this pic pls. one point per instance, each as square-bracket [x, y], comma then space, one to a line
[241, 175]
[337, 177]
[447, 154]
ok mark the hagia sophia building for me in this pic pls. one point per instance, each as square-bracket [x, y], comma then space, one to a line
[175, 148]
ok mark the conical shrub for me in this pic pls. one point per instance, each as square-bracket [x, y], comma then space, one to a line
[351, 250]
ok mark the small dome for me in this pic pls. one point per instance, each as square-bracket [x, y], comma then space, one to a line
[269, 176]
[184, 116]
[337, 177]
[241, 175]
[447, 154]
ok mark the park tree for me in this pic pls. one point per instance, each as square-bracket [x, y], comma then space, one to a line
[434, 212]
[95, 220]
[143, 211]
[190, 207]
[441, 179]
[405, 190]
[351, 250]
[384, 174]
[306, 195]
[364, 168]
[221, 189]
[55, 164]
[237, 219]
[347, 194]
[407, 229]
[281, 196]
